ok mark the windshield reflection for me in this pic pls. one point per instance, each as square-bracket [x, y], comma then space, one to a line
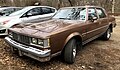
[71, 14]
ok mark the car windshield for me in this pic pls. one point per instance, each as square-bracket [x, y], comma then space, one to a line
[20, 12]
[7, 11]
[71, 14]
[2, 12]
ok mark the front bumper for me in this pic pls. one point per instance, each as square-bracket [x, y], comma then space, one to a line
[29, 51]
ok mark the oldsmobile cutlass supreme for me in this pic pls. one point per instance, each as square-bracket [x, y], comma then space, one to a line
[64, 34]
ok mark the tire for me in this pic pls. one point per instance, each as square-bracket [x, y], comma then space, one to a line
[70, 51]
[107, 34]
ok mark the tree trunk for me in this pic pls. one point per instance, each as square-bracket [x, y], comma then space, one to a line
[70, 2]
[59, 3]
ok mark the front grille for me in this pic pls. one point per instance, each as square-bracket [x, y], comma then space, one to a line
[21, 38]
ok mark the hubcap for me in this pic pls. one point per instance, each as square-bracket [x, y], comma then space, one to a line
[108, 33]
[74, 52]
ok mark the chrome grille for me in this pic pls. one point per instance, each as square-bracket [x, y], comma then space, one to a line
[21, 38]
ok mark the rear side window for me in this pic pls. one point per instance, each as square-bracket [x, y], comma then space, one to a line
[47, 10]
[52, 10]
[101, 13]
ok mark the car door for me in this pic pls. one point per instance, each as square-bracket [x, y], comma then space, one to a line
[102, 19]
[33, 15]
[92, 26]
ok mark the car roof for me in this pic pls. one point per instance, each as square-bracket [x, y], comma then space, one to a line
[25, 9]
[1, 8]
[30, 7]
[86, 6]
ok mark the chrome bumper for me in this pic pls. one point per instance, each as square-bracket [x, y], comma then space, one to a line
[29, 51]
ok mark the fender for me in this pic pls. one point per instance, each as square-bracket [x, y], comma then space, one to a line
[71, 36]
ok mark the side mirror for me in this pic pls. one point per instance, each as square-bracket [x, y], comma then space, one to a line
[28, 14]
[95, 18]
[92, 18]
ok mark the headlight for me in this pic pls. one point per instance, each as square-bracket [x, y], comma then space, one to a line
[40, 42]
[34, 41]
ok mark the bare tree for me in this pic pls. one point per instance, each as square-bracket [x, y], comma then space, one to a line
[70, 2]
[59, 3]
[107, 4]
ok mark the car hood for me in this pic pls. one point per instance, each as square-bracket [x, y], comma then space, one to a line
[49, 26]
[45, 28]
[7, 18]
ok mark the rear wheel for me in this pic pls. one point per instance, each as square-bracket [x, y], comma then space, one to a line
[70, 51]
[107, 34]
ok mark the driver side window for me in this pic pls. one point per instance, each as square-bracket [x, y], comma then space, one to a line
[33, 12]
[91, 13]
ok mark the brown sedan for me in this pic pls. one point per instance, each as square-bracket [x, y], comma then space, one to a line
[64, 34]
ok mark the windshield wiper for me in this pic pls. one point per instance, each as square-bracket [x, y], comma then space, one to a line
[62, 18]
[65, 18]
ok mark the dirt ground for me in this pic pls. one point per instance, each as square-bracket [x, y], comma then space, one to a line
[96, 55]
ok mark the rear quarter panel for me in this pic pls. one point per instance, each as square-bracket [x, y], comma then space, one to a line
[112, 20]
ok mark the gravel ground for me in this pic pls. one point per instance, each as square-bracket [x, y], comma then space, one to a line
[96, 55]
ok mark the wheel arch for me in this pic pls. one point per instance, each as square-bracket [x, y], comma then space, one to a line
[75, 35]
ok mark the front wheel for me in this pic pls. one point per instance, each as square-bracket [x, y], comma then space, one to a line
[107, 34]
[70, 51]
